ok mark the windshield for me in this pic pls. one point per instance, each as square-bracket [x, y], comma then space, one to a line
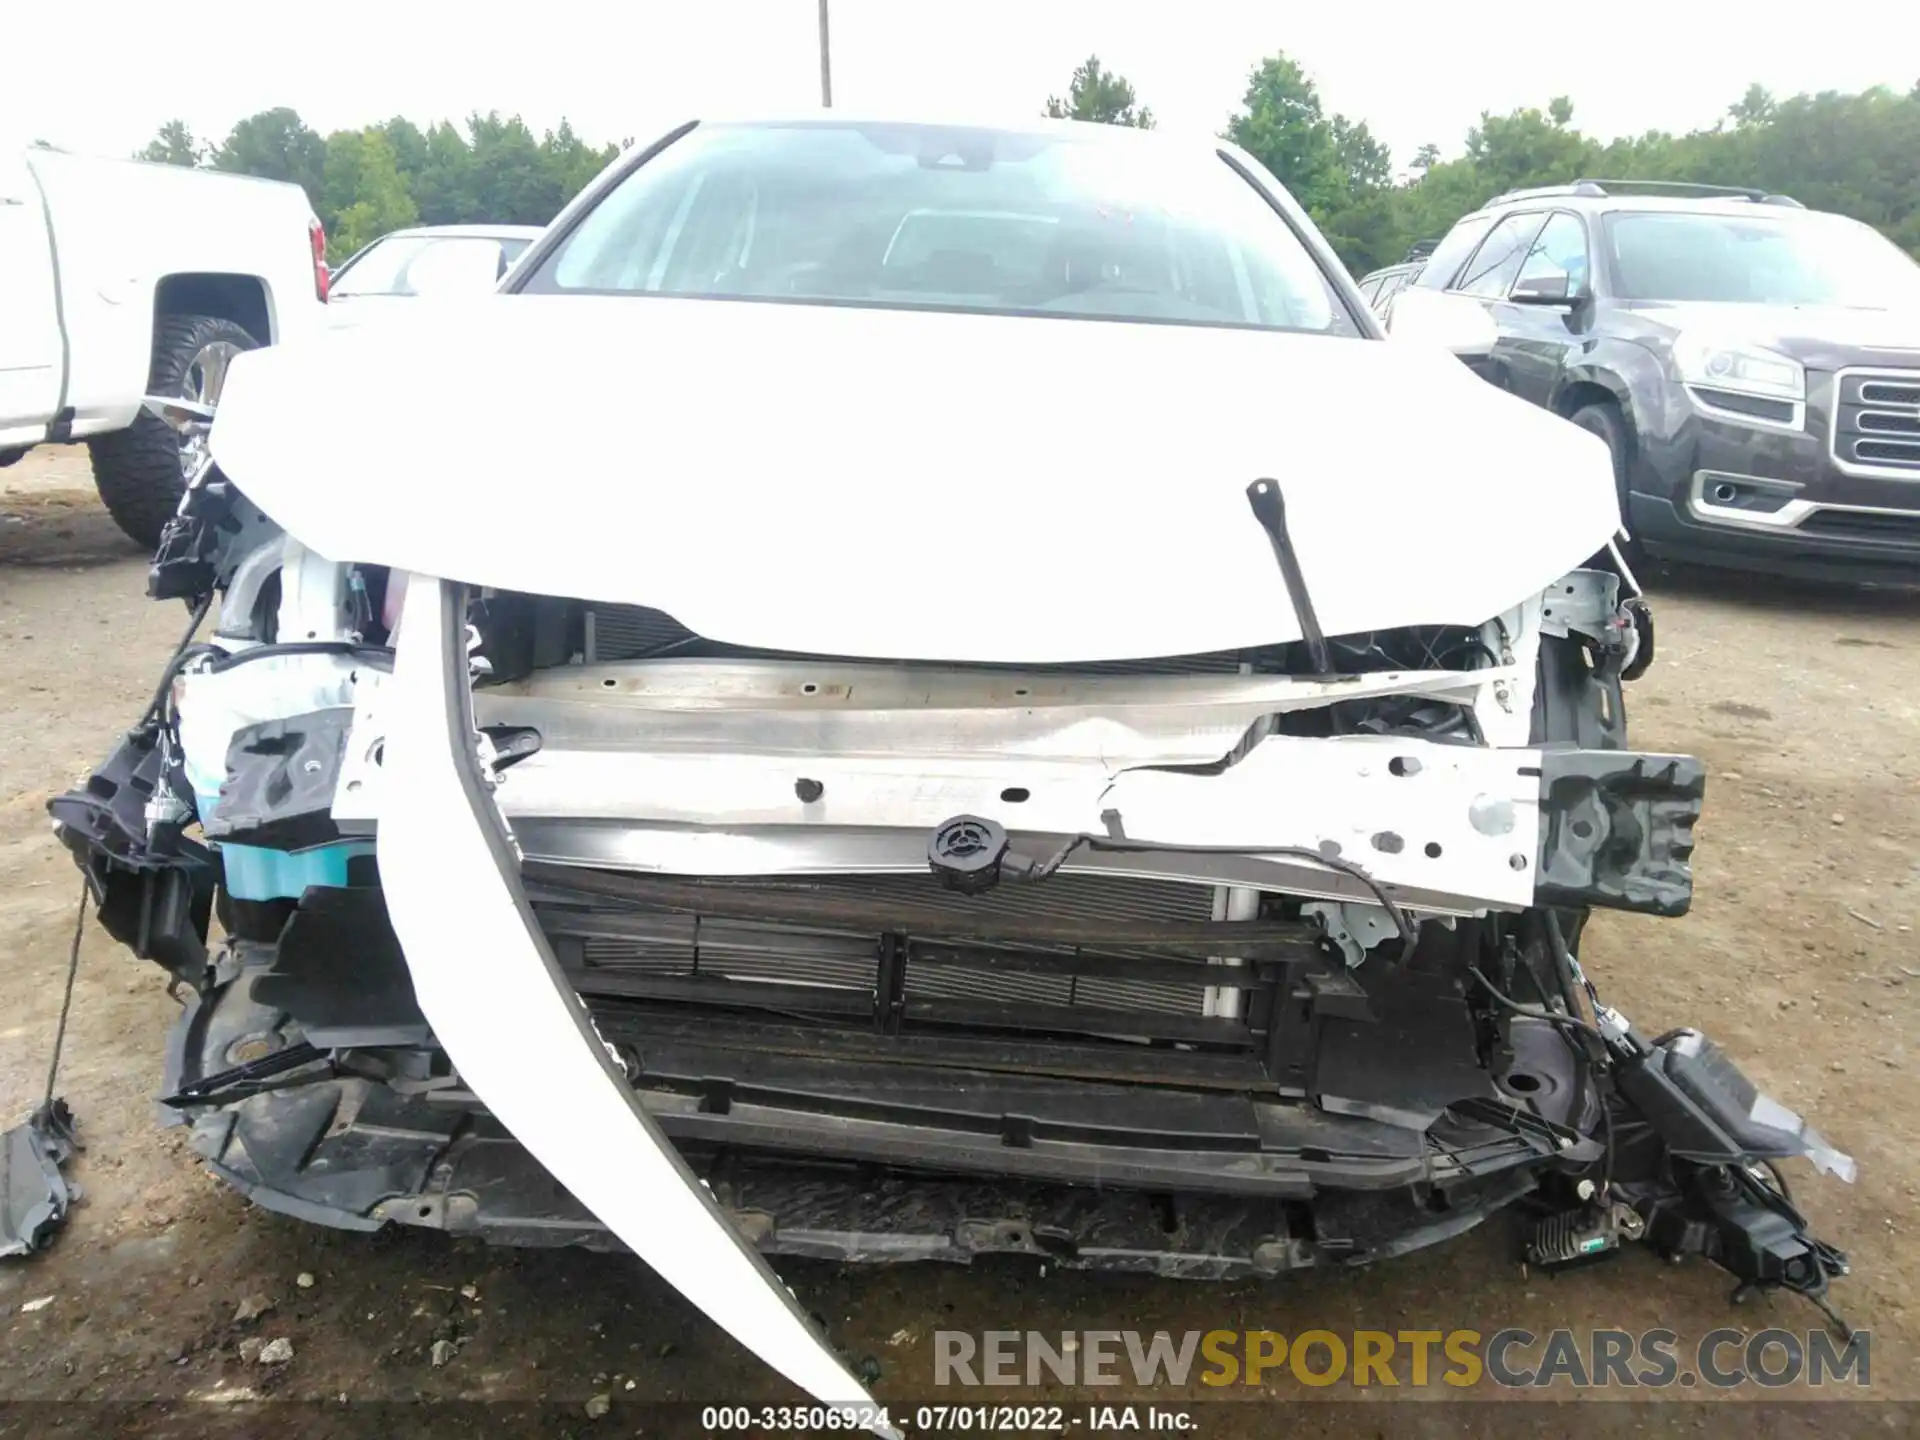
[1049, 223]
[1758, 259]
[428, 265]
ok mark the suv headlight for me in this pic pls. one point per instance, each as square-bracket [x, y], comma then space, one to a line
[1740, 369]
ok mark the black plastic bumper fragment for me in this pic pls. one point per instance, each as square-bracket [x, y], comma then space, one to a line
[1616, 830]
[1704, 1193]
[153, 886]
[331, 1153]
[339, 968]
[214, 525]
[870, 1215]
[281, 776]
[1746, 1228]
[34, 1195]
[356, 1156]
[1706, 1110]
[107, 816]
[161, 915]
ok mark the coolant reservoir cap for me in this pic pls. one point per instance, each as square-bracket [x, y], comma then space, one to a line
[966, 851]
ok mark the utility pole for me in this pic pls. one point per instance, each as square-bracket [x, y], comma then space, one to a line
[826, 63]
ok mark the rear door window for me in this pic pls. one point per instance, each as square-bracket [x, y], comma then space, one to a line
[1499, 257]
[1451, 253]
[1559, 249]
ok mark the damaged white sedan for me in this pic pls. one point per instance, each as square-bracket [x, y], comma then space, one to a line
[911, 691]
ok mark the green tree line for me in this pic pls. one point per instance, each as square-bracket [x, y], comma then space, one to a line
[1857, 154]
[363, 183]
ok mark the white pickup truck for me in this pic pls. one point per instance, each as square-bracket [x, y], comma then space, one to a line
[120, 279]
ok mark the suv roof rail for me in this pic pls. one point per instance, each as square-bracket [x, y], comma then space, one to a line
[1579, 187]
[1419, 250]
[1690, 187]
[1599, 189]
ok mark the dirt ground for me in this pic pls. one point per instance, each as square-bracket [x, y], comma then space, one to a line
[1799, 956]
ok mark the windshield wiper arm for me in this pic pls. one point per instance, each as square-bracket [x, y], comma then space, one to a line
[1270, 509]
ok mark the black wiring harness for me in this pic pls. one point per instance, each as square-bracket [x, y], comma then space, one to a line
[221, 659]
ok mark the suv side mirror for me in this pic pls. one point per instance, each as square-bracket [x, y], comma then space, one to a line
[1433, 317]
[1542, 290]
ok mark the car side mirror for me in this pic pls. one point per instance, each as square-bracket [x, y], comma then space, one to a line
[1543, 290]
[1451, 322]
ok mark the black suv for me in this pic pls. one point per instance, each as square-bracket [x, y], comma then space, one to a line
[1753, 365]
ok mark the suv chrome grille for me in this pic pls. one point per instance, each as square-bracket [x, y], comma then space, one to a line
[1876, 422]
[1886, 392]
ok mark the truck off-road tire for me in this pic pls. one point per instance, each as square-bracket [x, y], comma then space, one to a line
[140, 471]
[1603, 418]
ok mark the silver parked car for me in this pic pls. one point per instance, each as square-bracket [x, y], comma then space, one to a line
[427, 260]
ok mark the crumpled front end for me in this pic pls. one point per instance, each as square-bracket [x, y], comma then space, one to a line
[1211, 965]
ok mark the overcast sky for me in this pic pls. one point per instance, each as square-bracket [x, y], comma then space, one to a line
[101, 75]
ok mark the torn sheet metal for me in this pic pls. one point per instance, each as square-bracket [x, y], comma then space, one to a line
[502, 1008]
[34, 1195]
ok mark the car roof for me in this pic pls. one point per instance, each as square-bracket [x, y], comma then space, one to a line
[1020, 122]
[1394, 269]
[969, 117]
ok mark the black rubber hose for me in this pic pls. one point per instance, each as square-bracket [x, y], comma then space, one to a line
[181, 654]
[1567, 1022]
[1563, 961]
[379, 656]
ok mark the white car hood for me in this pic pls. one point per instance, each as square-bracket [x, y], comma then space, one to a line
[934, 485]
[344, 312]
[347, 312]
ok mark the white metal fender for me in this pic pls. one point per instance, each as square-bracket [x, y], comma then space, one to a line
[518, 1035]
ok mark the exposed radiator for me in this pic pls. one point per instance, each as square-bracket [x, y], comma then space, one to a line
[665, 944]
